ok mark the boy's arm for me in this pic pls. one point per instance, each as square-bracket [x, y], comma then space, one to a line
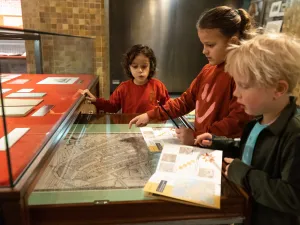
[229, 146]
[282, 194]
[232, 125]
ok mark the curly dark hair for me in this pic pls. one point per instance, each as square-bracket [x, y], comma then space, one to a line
[130, 55]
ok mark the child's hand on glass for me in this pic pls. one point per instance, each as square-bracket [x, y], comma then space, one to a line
[140, 121]
[185, 135]
[88, 94]
[204, 139]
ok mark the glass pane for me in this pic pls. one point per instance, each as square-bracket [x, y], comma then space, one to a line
[41, 99]
[103, 160]
[5, 166]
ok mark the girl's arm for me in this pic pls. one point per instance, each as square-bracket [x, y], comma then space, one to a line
[113, 105]
[181, 105]
[231, 125]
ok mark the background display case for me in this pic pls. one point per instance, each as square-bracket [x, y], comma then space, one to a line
[34, 122]
[30, 51]
[35, 112]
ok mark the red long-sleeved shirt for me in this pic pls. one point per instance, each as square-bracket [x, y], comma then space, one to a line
[132, 98]
[216, 109]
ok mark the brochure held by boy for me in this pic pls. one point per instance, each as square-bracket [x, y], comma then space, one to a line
[187, 174]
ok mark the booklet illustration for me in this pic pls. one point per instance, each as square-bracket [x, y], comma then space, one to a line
[156, 137]
[187, 174]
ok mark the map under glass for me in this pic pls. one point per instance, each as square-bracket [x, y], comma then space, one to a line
[99, 161]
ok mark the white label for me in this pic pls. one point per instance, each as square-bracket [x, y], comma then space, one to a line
[115, 81]
[12, 137]
[25, 90]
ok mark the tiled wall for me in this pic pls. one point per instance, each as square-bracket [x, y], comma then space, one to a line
[291, 26]
[74, 17]
[68, 55]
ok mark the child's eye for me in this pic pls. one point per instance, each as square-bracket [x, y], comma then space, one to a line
[210, 45]
[244, 86]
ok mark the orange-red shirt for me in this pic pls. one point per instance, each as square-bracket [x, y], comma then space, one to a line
[132, 98]
[216, 109]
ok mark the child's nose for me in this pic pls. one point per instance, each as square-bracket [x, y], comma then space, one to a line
[236, 93]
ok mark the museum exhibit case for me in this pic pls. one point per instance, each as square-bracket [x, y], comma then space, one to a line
[62, 165]
[66, 166]
[36, 110]
[96, 175]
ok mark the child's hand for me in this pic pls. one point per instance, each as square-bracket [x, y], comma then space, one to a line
[89, 96]
[140, 121]
[204, 139]
[185, 135]
[228, 161]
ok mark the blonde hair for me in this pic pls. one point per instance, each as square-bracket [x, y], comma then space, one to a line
[266, 59]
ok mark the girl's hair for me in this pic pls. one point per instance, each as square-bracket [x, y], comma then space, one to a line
[229, 21]
[130, 55]
[266, 59]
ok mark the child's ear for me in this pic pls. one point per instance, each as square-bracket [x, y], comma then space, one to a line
[281, 88]
[234, 40]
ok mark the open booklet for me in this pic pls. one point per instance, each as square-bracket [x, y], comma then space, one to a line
[187, 174]
[156, 137]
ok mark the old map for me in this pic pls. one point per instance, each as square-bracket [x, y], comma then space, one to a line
[99, 161]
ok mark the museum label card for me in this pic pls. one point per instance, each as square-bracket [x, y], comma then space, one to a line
[26, 95]
[59, 80]
[21, 102]
[19, 81]
[4, 80]
[9, 75]
[16, 111]
[274, 26]
[43, 110]
[12, 137]
[5, 90]
[25, 90]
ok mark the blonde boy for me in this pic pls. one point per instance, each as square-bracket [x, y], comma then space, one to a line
[266, 70]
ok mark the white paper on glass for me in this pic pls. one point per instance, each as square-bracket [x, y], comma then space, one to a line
[26, 95]
[16, 111]
[25, 90]
[58, 80]
[19, 81]
[5, 90]
[12, 137]
[21, 102]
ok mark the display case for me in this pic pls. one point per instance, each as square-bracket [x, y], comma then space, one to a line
[62, 166]
[36, 110]
[96, 175]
